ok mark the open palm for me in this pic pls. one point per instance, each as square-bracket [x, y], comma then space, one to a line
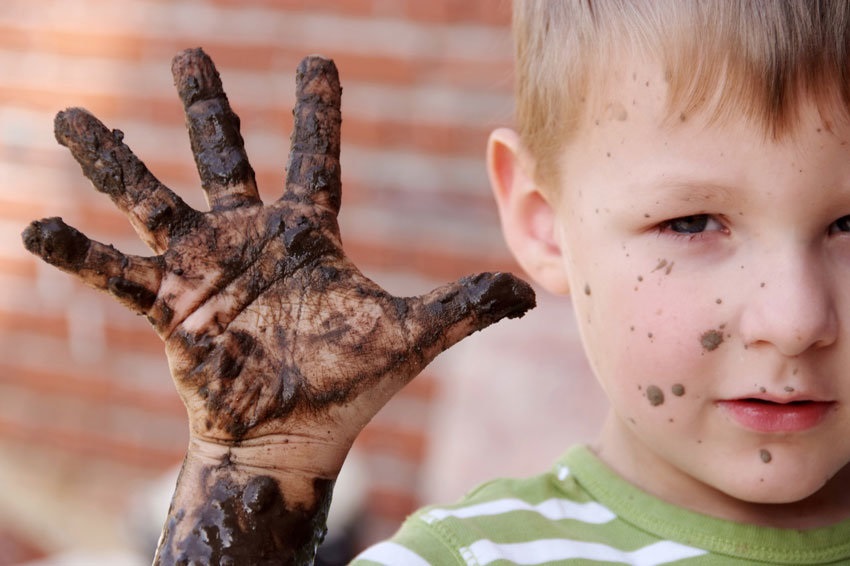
[270, 330]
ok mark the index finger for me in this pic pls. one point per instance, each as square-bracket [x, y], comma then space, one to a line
[313, 172]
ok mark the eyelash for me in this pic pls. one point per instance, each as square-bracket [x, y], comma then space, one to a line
[838, 226]
[845, 220]
[702, 222]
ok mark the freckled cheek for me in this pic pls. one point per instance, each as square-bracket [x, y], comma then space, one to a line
[651, 337]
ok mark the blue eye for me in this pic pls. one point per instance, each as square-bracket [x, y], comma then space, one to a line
[840, 225]
[690, 224]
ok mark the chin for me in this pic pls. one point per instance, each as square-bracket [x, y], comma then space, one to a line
[778, 486]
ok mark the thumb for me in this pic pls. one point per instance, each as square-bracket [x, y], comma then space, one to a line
[452, 312]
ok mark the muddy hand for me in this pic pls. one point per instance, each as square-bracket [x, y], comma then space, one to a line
[279, 347]
[269, 328]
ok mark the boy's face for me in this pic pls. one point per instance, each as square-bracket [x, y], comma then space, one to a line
[710, 273]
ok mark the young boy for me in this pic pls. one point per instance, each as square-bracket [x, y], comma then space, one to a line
[682, 169]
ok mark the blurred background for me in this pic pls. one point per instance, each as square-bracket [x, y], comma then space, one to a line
[91, 431]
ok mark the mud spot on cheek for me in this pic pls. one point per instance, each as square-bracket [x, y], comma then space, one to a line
[711, 339]
[678, 389]
[654, 395]
[765, 456]
[587, 289]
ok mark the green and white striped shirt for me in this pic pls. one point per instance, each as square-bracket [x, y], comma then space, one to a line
[582, 513]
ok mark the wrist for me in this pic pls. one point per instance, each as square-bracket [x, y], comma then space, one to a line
[293, 459]
[235, 505]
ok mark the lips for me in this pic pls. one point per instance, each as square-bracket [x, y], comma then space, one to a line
[763, 415]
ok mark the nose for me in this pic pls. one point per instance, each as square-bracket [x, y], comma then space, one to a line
[792, 306]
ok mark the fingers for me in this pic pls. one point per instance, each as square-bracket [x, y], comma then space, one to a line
[133, 280]
[218, 147]
[450, 313]
[313, 172]
[156, 213]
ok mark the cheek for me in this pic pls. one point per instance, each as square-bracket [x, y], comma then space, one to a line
[654, 333]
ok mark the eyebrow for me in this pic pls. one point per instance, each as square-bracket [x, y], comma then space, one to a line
[690, 191]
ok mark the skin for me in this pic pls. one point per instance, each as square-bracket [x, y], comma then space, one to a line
[760, 224]
[279, 347]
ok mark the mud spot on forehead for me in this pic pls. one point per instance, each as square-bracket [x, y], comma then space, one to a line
[765, 456]
[678, 389]
[711, 339]
[654, 395]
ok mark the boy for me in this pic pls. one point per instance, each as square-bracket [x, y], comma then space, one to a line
[681, 170]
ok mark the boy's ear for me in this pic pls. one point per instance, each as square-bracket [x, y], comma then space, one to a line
[529, 221]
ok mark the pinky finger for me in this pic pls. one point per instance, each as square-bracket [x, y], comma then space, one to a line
[133, 280]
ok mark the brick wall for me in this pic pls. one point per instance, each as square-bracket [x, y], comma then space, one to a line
[88, 416]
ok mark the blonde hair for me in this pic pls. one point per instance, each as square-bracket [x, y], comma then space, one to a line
[751, 59]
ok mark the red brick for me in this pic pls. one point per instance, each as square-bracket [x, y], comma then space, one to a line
[439, 264]
[425, 387]
[386, 68]
[88, 444]
[94, 389]
[406, 444]
[341, 7]
[47, 325]
[17, 549]
[491, 12]
[391, 504]
[488, 12]
[18, 267]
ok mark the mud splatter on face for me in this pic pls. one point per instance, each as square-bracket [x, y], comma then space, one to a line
[711, 339]
[587, 289]
[662, 263]
[678, 389]
[654, 395]
[765, 456]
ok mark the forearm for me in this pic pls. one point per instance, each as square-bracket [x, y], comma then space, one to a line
[230, 507]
